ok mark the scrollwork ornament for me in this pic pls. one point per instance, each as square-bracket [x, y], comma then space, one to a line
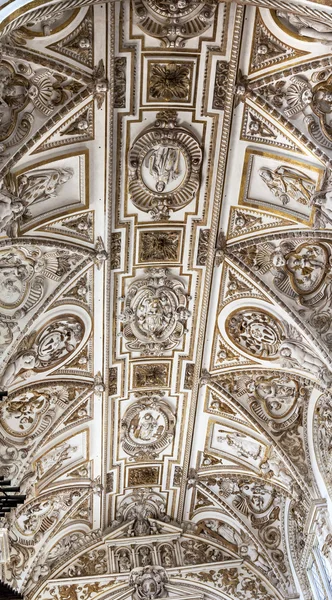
[176, 21]
[147, 427]
[155, 312]
[164, 167]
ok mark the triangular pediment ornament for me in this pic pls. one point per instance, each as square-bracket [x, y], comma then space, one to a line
[244, 221]
[79, 127]
[157, 529]
[236, 285]
[257, 128]
[267, 50]
[78, 225]
[78, 45]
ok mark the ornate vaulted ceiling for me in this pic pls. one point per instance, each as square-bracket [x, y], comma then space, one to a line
[165, 293]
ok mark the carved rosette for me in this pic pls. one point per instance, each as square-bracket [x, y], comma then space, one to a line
[164, 167]
[148, 427]
[155, 313]
[174, 22]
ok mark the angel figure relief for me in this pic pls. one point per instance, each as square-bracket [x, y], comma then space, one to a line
[294, 352]
[241, 541]
[299, 270]
[100, 83]
[307, 27]
[288, 184]
[17, 194]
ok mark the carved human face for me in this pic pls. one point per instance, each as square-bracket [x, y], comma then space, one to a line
[5, 334]
[82, 125]
[278, 259]
[102, 86]
[160, 186]
[84, 43]
[307, 96]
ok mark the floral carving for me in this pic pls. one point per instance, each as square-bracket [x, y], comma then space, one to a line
[164, 167]
[170, 81]
[159, 246]
[155, 312]
[220, 85]
[154, 375]
[120, 81]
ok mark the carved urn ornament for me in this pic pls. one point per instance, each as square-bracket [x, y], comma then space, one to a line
[155, 312]
[174, 21]
[164, 167]
[148, 426]
[149, 583]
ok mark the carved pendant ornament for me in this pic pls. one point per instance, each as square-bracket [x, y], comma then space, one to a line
[155, 312]
[164, 167]
[148, 426]
[175, 21]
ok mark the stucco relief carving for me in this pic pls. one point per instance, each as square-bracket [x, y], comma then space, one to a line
[287, 183]
[23, 90]
[174, 22]
[149, 583]
[262, 335]
[38, 516]
[300, 270]
[23, 270]
[278, 400]
[307, 27]
[164, 167]
[147, 426]
[45, 349]
[17, 194]
[155, 312]
[323, 434]
[260, 504]
[140, 509]
[309, 98]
